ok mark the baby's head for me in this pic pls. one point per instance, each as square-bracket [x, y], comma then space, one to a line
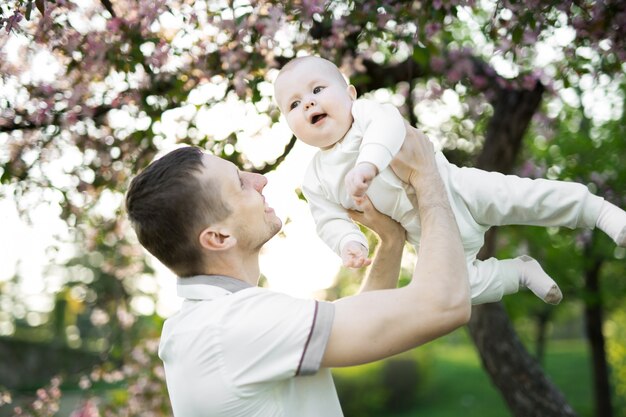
[316, 100]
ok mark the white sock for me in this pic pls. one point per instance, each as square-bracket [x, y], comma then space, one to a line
[533, 277]
[612, 221]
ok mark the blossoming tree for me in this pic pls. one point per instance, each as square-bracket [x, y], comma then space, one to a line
[86, 88]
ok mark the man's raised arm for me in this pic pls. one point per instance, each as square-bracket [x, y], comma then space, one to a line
[385, 268]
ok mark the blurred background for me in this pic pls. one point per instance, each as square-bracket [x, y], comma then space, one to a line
[91, 91]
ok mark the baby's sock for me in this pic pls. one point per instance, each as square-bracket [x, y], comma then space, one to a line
[612, 221]
[533, 277]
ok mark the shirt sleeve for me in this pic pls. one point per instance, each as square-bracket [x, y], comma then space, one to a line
[333, 225]
[269, 336]
[383, 132]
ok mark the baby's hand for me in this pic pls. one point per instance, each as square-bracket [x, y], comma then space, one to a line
[354, 255]
[358, 180]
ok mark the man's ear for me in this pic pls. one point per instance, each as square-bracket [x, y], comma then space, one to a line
[216, 239]
[352, 92]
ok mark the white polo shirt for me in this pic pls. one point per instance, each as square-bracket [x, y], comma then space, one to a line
[238, 350]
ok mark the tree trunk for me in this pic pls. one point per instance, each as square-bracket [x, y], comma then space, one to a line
[543, 318]
[512, 112]
[593, 327]
[518, 376]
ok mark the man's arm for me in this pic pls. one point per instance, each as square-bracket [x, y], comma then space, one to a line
[385, 269]
[378, 324]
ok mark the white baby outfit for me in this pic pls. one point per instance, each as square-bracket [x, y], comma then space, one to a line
[479, 199]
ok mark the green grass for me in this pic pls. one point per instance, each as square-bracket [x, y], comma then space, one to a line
[568, 365]
[458, 386]
[452, 382]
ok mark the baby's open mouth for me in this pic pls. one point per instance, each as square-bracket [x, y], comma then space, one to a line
[317, 118]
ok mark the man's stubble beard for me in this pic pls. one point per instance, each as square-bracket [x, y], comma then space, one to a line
[256, 242]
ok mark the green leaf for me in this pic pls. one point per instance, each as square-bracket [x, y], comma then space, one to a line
[517, 34]
[421, 56]
[29, 8]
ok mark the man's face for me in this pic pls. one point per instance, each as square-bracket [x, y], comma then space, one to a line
[316, 102]
[252, 221]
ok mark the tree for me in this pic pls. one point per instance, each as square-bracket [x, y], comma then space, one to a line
[585, 152]
[124, 66]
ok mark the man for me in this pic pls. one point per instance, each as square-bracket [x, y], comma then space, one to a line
[236, 349]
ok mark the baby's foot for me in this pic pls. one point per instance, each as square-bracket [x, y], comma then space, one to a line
[612, 221]
[533, 277]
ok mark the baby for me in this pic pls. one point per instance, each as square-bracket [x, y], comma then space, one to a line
[358, 138]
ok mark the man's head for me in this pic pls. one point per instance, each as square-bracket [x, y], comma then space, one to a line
[189, 207]
[316, 100]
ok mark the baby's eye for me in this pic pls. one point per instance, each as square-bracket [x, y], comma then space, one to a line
[316, 90]
[293, 105]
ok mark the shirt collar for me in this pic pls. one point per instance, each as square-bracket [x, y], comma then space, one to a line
[203, 287]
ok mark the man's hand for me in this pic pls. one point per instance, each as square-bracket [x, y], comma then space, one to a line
[385, 268]
[354, 255]
[384, 226]
[416, 157]
[358, 180]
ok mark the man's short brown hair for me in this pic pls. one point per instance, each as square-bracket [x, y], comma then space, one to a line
[169, 204]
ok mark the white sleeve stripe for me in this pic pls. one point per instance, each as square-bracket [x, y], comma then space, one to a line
[318, 338]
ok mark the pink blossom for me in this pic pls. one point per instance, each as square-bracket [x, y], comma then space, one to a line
[42, 394]
[274, 20]
[125, 318]
[159, 372]
[503, 83]
[434, 91]
[113, 25]
[160, 55]
[529, 37]
[437, 64]
[479, 82]
[454, 75]
[84, 382]
[529, 82]
[99, 317]
[13, 21]
[88, 409]
[504, 45]
[382, 19]
[46, 89]
[431, 29]
[351, 65]
[310, 7]
[71, 118]
[583, 238]
[598, 178]
[40, 117]
[527, 170]
[240, 83]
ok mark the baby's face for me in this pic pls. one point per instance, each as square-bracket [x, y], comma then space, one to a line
[316, 101]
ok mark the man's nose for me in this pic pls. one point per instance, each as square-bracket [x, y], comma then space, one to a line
[259, 182]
